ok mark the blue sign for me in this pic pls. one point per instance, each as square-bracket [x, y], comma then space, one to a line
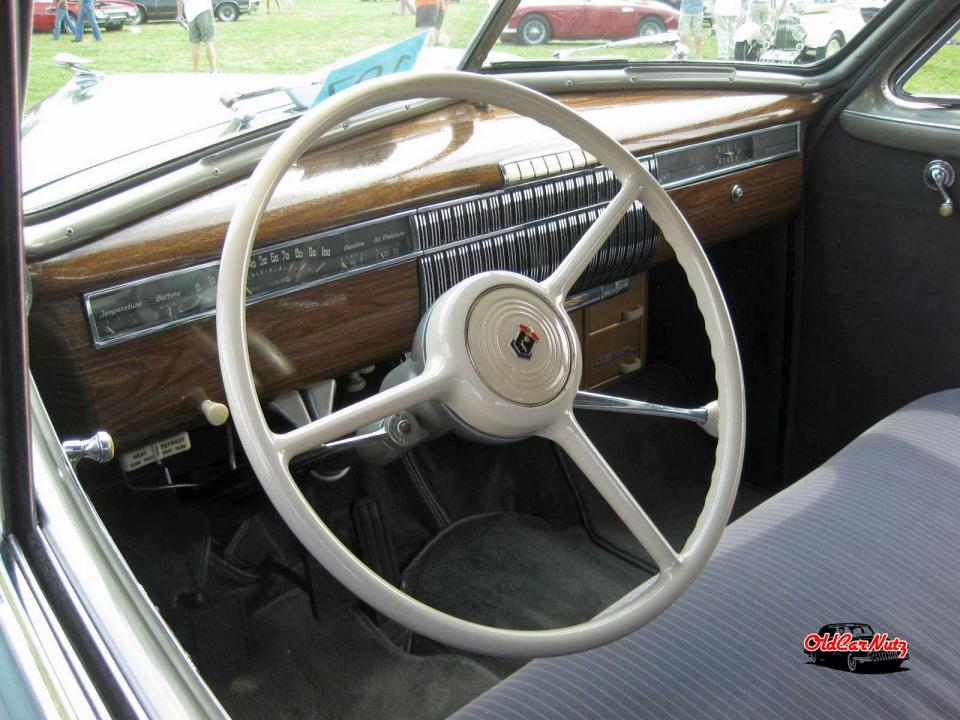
[394, 59]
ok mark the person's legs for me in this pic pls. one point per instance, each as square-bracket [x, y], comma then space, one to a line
[97, 35]
[697, 31]
[58, 23]
[211, 56]
[195, 50]
[725, 26]
[78, 24]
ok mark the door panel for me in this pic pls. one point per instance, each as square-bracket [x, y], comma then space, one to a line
[880, 293]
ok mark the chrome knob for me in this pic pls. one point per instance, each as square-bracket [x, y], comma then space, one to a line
[939, 176]
[98, 447]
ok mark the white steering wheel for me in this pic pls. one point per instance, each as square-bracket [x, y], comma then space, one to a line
[468, 365]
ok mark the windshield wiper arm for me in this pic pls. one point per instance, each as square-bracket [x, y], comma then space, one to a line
[230, 101]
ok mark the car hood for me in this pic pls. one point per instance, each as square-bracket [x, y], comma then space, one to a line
[91, 121]
[135, 122]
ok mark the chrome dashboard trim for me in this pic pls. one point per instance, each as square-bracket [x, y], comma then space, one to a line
[737, 167]
[454, 207]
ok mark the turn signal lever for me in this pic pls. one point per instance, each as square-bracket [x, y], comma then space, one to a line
[939, 176]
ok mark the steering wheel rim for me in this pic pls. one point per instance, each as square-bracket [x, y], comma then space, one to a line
[269, 453]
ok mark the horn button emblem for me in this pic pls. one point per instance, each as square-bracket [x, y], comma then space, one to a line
[507, 324]
[523, 343]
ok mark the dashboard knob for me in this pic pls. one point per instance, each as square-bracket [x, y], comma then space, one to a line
[215, 413]
[98, 447]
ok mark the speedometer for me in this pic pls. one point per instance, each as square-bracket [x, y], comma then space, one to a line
[143, 306]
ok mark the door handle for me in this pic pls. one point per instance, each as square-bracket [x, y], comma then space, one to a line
[939, 176]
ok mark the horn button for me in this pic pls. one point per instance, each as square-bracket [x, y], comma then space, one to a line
[518, 345]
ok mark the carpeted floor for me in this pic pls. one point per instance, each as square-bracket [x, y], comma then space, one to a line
[665, 463]
[341, 669]
[514, 571]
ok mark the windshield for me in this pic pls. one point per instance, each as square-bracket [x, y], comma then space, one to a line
[117, 87]
[764, 32]
[155, 81]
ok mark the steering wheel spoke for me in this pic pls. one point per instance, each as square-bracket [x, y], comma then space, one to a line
[429, 385]
[561, 280]
[568, 434]
[706, 416]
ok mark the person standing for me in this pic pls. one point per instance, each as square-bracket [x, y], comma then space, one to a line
[726, 20]
[63, 20]
[691, 26]
[86, 13]
[430, 14]
[198, 14]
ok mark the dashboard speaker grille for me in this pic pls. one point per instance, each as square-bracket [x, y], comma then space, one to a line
[528, 230]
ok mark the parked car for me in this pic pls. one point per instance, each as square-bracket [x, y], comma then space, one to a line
[110, 15]
[855, 661]
[802, 31]
[223, 10]
[537, 22]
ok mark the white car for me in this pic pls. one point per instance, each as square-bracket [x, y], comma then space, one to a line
[800, 31]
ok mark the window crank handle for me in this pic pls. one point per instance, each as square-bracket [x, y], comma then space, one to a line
[939, 176]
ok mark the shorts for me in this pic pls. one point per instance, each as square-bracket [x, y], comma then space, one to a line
[691, 24]
[427, 16]
[201, 28]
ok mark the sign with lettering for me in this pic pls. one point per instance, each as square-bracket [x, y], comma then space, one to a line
[394, 59]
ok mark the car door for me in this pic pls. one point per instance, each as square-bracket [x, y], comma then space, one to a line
[611, 19]
[880, 299]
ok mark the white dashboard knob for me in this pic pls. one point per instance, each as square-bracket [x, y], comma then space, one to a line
[215, 413]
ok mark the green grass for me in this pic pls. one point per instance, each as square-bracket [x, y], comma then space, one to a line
[940, 76]
[324, 31]
[317, 33]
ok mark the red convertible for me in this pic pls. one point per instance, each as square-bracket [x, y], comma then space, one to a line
[538, 21]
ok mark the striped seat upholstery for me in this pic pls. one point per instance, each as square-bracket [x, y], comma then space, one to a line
[873, 536]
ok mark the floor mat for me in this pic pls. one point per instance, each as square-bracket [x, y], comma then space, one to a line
[341, 669]
[514, 571]
[666, 464]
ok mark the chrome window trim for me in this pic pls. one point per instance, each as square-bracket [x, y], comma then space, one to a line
[881, 116]
[418, 216]
[902, 77]
[137, 646]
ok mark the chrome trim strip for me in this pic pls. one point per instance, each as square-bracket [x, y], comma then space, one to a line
[136, 644]
[899, 120]
[78, 690]
[738, 167]
[35, 676]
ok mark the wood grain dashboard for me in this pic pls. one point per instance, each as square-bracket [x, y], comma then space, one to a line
[154, 384]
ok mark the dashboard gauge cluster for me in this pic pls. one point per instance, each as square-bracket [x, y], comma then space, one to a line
[150, 304]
